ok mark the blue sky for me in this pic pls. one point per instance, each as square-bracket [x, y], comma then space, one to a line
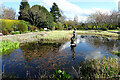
[70, 8]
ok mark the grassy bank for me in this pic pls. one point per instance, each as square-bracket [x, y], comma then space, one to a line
[99, 33]
[66, 35]
[101, 68]
[55, 36]
[7, 46]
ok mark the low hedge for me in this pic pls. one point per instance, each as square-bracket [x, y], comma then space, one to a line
[8, 26]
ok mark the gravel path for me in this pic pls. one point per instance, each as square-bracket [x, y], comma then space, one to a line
[22, 38]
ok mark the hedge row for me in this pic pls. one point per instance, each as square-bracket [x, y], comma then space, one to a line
[7, 26]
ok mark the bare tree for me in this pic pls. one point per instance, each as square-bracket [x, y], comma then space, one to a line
[7, 13]
[103, 18]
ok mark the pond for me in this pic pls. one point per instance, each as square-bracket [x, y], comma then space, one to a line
[34, 60]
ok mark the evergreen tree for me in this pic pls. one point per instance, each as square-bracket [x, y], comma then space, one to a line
[23, 6]
[38, 16]
[55, 12]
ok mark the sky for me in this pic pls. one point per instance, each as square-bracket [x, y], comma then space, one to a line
[71, 8]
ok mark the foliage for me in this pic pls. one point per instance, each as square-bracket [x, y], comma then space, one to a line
[55, 11]
[41, 29]
[61, 75]
[6, 23]
[23, 6]
[8, 46]
[22, 26]
[55, 26]
[59, 26]
[5, 32]
[13, 25]
[15, 32]
[104, 20]
[10, 30]
[101, 68]
[69, 24]
[38, 16]
[117, 53]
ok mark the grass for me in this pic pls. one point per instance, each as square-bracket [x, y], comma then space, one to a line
[7, 46]
[66, 35]
[61, 35]
[99, 33]
[56, 36]
[101, 68]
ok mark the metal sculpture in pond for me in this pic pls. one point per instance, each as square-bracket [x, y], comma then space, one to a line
[73, 44]
[73, 38]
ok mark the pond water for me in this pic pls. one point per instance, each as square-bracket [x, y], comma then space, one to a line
[33, 60]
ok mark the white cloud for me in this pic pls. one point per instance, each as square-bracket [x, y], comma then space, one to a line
[70, 10]
[91, 0]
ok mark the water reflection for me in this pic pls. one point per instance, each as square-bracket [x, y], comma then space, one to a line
[38, 59]
[73, 50]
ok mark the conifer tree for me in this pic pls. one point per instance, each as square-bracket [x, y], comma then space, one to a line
[55, 11]
[23, 6]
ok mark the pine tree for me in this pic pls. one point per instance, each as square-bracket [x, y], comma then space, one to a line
[24, 5]
[55, 11]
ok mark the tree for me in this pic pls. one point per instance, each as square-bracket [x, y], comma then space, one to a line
[38, 16]
[24, 6]
[76, 20]
[104, 19]
[7, 13]
[55, 11]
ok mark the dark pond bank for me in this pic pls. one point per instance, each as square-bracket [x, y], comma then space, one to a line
[34, 60]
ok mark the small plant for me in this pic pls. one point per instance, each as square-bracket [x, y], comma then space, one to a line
[8, 46]
[15, 32]
[61, 75]
[117, 53]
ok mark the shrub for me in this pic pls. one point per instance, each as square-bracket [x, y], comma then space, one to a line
[41, 29]
[10, 30]
[61, 75]
[117, 53]
[5, 32]
[8, 46]
[53, 28]
[22, 26]
[6, 23]
[60, 26]
[11, 25]
[15, 32]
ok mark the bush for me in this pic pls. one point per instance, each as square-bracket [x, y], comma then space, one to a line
[41, 29]
[60, 26]
[104, 29]
[6, 23]
[8, 46]
[10, 30]
[53, 28]
[15, 32]
[5, 32]
[22, 26]
[12, 25]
